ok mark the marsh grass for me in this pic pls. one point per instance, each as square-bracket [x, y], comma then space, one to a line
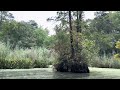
[105, 62]
[20, 58]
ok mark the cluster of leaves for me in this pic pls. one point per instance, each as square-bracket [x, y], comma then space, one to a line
[117, 56]
[103, 30]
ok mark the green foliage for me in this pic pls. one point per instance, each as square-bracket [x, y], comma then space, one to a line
[5, 15]
[103, 30]
[23, 34]
[49, 41]
[117, 56]
[17, 34]
[19, 63]
[118, 44]
[40, 64]
[62, 44]
[41, 36]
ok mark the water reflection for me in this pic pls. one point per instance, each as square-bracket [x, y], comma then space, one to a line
[49, 73]
[69, 75]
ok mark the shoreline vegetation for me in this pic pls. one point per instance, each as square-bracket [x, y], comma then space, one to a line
[43, 58]
[24, 58]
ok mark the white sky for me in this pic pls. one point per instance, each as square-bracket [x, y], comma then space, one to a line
[41, 16]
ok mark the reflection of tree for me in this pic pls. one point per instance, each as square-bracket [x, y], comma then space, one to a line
[68, 75]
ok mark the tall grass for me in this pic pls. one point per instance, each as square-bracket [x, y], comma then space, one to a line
[105, 62]
[41, 57]
[24, 58]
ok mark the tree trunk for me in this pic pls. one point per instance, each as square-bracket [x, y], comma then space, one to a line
[78, 65]
[71, 36]
[0, 20]
[79, 30]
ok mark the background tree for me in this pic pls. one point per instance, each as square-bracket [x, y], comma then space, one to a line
[21, 34]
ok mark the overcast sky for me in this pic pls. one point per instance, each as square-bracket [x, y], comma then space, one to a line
[41, 16]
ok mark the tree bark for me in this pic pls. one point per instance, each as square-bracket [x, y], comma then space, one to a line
[79, 30]
[71, 36]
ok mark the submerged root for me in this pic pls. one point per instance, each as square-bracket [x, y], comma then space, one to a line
[75, 67]
[62, 66]
[79, 67]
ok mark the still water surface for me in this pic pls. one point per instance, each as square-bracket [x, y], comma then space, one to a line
[48, 73]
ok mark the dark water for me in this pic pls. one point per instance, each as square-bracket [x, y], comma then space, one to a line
[48, 73]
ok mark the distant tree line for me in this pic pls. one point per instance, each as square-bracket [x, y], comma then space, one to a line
[22, 34]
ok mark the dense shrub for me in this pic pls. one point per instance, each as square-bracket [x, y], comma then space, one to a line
[20, 64]
[40, 64]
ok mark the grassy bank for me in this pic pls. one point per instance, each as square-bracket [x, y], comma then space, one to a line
[20, 58]
[105, 62]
